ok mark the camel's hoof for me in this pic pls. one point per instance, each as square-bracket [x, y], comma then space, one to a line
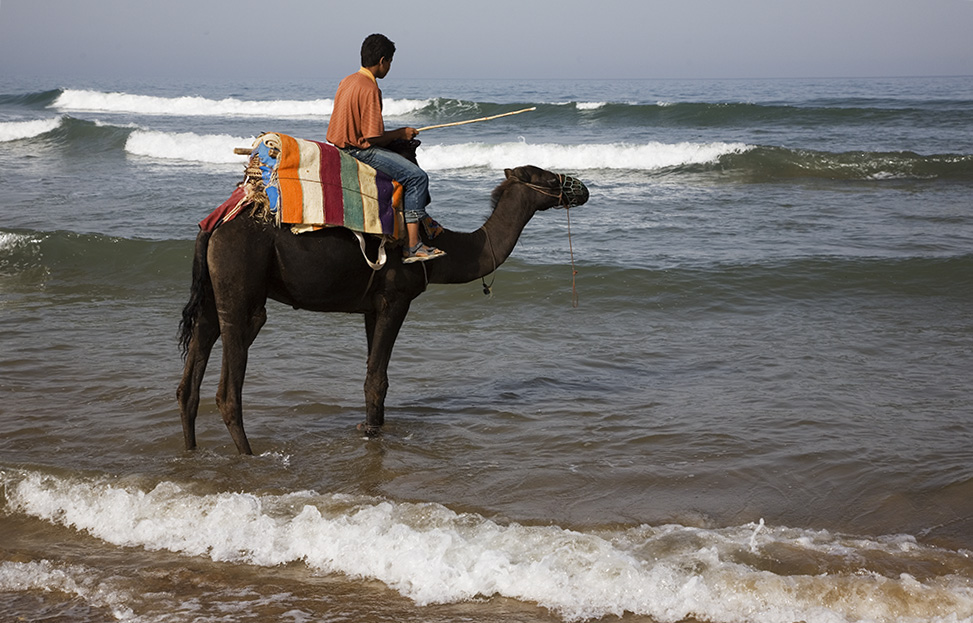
[369, 430]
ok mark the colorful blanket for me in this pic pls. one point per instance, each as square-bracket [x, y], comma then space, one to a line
[309, 185]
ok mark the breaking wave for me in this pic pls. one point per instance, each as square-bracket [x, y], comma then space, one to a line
[19, 130]
[72, 100]
[738, 161]
[434, 555]
[639, 157]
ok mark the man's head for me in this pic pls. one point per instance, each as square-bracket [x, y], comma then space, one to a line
[375, 48]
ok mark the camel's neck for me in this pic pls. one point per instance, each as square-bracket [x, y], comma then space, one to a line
[473, 255]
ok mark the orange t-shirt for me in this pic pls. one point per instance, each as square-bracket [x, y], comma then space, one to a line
[357, 114]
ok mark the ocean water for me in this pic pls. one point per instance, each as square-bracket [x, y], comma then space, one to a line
[759, 409]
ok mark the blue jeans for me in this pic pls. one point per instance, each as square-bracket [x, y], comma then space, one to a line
[413, 179]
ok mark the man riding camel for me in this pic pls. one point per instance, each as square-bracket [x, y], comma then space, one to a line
[357, 128]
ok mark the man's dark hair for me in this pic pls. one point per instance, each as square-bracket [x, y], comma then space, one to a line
[374, 48]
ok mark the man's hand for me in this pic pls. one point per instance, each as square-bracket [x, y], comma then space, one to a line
[408, 133]
[403, 134]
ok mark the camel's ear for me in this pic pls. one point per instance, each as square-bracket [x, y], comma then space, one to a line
[518, 173]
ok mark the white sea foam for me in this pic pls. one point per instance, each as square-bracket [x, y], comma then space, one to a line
[187, 146]
[218, 149]
[402, 107]
[638, 157]
[74, 580]
[97, 101]
[10, 241]
[591, 105]
[433, 555]
[18, 130]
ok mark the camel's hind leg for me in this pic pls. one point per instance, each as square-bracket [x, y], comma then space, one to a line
[205, 332]
[237, 338]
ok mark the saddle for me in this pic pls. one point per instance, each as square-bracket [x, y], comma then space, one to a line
[308, 185]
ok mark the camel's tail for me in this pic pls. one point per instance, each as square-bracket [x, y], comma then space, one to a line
[201, 289]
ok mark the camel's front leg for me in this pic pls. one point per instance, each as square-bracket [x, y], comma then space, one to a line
[382, 328]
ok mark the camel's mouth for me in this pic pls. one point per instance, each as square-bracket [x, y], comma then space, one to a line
[573, 191]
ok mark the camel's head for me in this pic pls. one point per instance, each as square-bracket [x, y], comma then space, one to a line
[563, 190]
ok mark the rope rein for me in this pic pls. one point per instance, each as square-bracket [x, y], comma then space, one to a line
[488, 289]
[567, 205]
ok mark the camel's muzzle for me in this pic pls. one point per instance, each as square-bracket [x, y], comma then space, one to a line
[573, 191]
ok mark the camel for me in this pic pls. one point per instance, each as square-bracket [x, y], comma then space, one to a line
[243, 262]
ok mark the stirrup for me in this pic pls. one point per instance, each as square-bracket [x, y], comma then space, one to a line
[380, 260]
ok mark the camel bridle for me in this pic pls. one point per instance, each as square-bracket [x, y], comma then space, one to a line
[571, 191]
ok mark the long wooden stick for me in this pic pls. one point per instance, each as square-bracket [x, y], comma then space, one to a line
[245, 151]
[455, 123]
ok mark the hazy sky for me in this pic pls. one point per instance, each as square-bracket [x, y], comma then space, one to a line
[227, 39]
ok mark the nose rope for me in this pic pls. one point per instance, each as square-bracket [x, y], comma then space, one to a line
[546, 192]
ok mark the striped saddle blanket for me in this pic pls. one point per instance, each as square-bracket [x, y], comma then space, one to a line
[309, 185]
